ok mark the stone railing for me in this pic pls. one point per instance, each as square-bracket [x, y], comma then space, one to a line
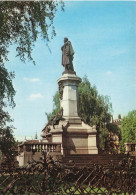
[35, 150]
[39, 147]
[46, 147]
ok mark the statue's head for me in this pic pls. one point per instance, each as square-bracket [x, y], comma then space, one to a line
[65, 39]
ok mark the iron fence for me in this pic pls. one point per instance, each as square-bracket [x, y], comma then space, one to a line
[49, 177]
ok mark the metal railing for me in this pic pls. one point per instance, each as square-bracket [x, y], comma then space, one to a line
[49, 177]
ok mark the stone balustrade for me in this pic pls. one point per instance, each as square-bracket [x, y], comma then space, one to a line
[46, 147]
[35, 149]
[39, 147]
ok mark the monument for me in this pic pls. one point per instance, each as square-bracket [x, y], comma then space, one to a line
[67, 128]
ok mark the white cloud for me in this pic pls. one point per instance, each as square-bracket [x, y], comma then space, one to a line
[108, 72]
[31, 79]
[35, 96]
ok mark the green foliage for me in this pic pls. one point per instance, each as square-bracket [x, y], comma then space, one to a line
[128, 128]
[7, 93]
[21, 22]
[114, 129]
[56, 103]
[56, 107]
[7, 142]
[103, 135]
[94, 109]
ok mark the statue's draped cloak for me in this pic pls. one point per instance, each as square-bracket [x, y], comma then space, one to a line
[67, 53]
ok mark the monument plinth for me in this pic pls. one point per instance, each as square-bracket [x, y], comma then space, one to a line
[75, 136]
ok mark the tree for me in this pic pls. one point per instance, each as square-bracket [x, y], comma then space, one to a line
[56, 107]
[7, 141]
[128, 128]
[113, 144]
[7, 90]
[7, 93]
[114, 129]
[94, 109]
[21, 22]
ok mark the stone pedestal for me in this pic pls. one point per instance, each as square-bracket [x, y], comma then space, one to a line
[75, 136]
[80, 139]
[69, 101]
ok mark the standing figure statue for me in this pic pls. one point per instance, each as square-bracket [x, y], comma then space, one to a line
[67, 55]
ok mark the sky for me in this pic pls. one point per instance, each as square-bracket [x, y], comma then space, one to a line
[103, 35]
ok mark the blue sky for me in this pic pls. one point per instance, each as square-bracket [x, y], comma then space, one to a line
[103, 35]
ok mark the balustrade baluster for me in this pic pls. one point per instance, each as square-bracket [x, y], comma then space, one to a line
[46, 149]
[42, 147]
[33, 147]
[36, 148]
[51, 148]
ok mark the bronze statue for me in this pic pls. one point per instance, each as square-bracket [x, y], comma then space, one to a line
[67, 55]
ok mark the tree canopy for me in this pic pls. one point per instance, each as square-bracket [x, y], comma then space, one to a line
[94, 109]
[128, 128]
[56, 107]
[21, 22]
[7, 93]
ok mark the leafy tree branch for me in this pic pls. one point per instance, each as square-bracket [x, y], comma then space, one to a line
[21, 22]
